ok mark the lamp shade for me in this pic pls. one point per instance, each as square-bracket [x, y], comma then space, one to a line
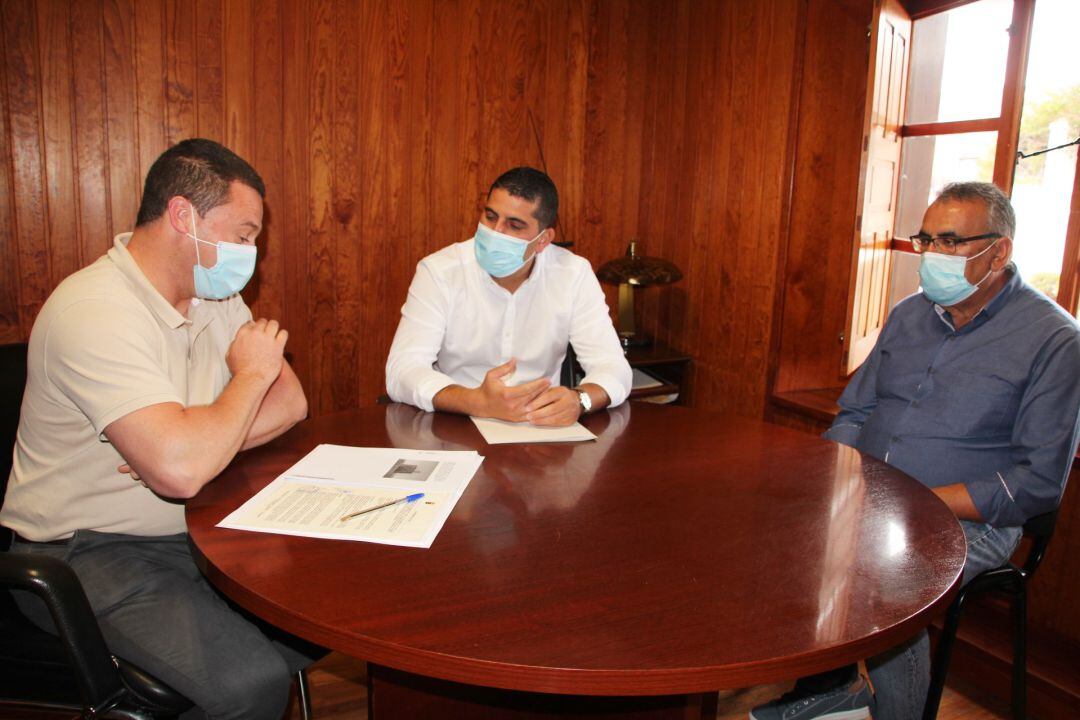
[638, 270]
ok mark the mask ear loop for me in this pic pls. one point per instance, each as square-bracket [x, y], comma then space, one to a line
[987, 249]
[195, 235]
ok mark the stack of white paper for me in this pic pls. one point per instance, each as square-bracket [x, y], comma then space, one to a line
[498, 432]
[311, 498]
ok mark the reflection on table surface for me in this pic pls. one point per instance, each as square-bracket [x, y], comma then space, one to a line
[680, 551]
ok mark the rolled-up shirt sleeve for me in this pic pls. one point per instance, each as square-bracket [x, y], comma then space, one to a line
[410, 374]
[856, 402]
[596, 343]
[1044, 441]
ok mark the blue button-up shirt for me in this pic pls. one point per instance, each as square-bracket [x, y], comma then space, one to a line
[994, 405]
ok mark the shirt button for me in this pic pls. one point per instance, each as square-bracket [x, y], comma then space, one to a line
[914, 403]
[896, 438]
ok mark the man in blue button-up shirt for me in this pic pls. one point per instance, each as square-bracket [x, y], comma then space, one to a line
[973, 388]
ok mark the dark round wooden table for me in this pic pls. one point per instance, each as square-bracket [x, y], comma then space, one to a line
[681, 552]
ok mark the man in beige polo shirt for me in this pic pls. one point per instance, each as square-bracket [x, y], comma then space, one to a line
[146, 375]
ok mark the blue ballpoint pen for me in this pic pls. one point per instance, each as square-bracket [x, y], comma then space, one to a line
[407, 499]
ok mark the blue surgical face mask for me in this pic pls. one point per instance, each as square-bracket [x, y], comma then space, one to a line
[500, 255]
[943, 280]
[234, 267]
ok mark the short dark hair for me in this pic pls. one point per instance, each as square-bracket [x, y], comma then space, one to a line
[1000, 216]
[198, 169]
[532, 185]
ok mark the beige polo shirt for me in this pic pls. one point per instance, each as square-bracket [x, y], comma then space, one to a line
[106, 344]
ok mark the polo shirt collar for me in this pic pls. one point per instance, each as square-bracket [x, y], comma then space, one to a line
[121, 258]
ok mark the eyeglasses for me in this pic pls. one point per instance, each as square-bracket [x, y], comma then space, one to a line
[945, 244]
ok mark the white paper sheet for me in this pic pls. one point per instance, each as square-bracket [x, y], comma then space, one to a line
[499, 432]
[310, 498]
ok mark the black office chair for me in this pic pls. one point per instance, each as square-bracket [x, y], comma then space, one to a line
[73, 669]
[570, 373]
[1011, 580]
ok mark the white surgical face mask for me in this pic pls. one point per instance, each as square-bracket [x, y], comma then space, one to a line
[234, 267]
[943, 280]
[499, 254]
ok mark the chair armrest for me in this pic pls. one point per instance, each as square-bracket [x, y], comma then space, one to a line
[56, 584]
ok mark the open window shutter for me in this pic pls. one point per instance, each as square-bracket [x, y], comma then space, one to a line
[890, 42]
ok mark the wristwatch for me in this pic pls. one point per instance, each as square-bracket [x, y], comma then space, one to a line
[585, 401]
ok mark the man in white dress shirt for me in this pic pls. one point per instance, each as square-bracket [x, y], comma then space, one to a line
[487, 321]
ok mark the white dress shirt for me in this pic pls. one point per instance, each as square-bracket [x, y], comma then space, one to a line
[457, 324]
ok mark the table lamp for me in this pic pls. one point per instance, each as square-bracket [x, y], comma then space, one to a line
[629, 272]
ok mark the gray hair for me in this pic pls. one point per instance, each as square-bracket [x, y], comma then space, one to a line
[1000, 215]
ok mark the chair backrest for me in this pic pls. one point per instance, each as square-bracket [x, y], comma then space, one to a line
[12, 384]
[1040, 529]
[568, 373]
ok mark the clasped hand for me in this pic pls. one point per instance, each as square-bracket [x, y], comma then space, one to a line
[536, 402]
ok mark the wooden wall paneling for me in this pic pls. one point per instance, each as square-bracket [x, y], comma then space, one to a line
[209, 82]
[61, 210]
[348, 165]
[558, 104]
[634, 39]
[826, 177]
[234, 42]
[263, 147]
[449, 58]
[10, 327]
[651, 241]
[398, 192]
[422, 217]
[150, 82]
[1052, 602]
[605, 141]
[664, 306]
[297, 311]
[30, 229]
[180, 73]
[694, 212]
[120, 111]
[92, 167]
[319, 192]
[769, 83]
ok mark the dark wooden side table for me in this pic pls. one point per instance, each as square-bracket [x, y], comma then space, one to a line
[667, 365]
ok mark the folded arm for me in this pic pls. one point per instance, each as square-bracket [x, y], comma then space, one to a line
[283, 406]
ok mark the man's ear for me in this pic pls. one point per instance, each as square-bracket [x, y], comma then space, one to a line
[545, 239]
[1002, 254]
[179, 214]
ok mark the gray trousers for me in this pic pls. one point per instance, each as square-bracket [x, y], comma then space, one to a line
[157, 611]
[901, 676]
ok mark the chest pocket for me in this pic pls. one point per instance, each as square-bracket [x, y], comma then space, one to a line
[980, 404]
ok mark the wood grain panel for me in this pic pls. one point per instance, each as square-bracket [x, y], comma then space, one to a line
[120, 111]
[348, 165]
[150, 81]
[91, 141]
[180, 75]
[30, 228]
[57, 137]
[264, 135]
[823, 205]
[209, 90]
[10, 327]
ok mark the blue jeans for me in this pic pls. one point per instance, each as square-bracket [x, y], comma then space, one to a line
[157, 611]
[901, 676]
